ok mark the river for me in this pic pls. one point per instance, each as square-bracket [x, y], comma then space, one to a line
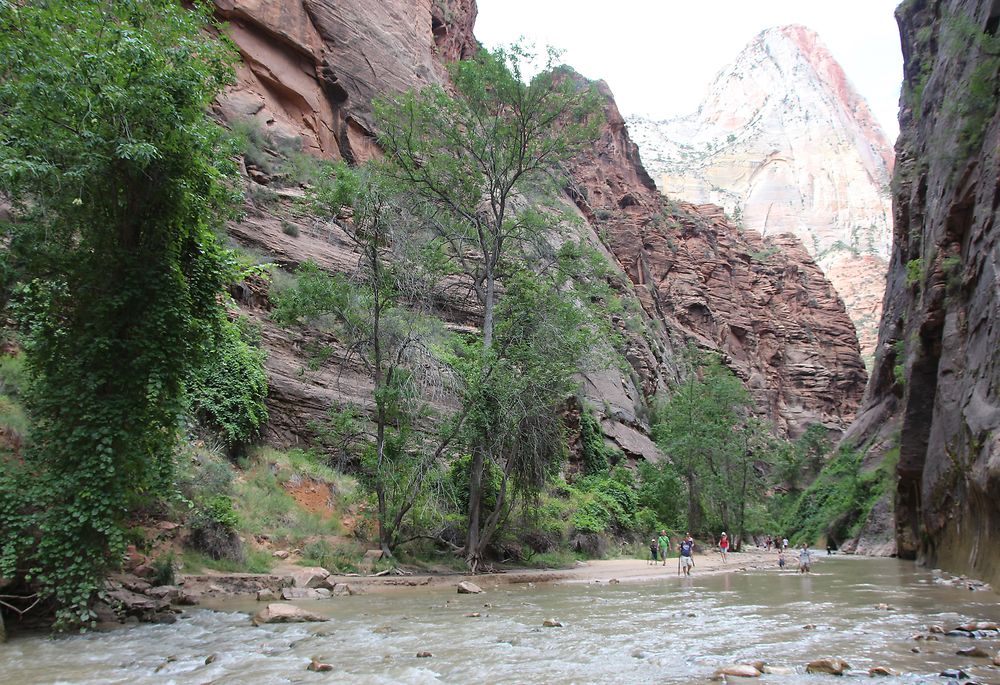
[665, 631]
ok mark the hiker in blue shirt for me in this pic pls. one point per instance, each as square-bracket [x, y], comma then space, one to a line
[686, 559]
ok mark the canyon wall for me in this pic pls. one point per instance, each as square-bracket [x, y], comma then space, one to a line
[784, 144]
[935, 387]
[686, 274]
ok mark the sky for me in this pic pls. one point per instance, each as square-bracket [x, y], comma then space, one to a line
[659, 56]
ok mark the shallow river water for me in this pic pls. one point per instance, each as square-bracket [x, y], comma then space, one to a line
[663, 631]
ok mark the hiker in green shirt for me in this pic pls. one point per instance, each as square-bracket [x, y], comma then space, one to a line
[664, 545]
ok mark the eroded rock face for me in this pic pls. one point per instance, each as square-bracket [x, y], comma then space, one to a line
[762, 302]
[937, 369]
[784, 142]
[310, 68]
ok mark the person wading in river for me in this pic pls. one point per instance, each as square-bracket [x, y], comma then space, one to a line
[664, 543]
[724, 548]
[686, 559]
[805, 559]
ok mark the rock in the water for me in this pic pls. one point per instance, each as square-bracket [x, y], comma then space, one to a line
[285, 613]
[424, 655]
[474, 614]
[880, 671]
[778, 670]
[973, 651]
[809, 626]
[551, 623]
[935, 629]
[831, 666]
[266, 596]
[210, 659]
[738, 671]
[467, 588]
[956, 673]
[312, 577]
[318, 666]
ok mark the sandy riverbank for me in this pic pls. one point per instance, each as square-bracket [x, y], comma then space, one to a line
[595, 571]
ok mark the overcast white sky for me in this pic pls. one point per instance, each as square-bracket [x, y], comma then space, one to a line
[659, 56]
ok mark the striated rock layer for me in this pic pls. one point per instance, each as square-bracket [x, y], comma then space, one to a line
[761, 301]
[309, 72]
[937, 371]
[785, 144]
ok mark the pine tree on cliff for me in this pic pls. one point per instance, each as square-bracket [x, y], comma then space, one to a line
[469, 159]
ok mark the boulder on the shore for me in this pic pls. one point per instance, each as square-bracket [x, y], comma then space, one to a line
[280, 554]
[737, 671]
[467, 588]
[289, 593]
[312, 577]
[831, 666]
[285, 613]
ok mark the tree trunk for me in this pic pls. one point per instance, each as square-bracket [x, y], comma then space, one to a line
[472, 551]
[488, 306]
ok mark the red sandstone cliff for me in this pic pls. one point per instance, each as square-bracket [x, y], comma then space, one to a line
[763, 303]
[309, 72]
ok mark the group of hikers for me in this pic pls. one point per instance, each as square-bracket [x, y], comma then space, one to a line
[659, 548]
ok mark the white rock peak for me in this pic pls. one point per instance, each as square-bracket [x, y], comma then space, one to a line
[785, 144]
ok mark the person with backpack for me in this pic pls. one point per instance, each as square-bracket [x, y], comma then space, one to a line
[653, 549]
[686, 560]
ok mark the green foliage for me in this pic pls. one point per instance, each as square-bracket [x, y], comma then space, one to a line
[117, 179]
[229, 388]
[899, 368]
[976, 103]
[799, 462]
[914, 272]
[661, 491]
[597, 455]
[163, 570]
[835, 505]
[706, 431]
[336, 559]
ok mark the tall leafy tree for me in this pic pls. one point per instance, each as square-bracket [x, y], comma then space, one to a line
[374, 316]
[708, 431]
[469, 158]
[118, 181]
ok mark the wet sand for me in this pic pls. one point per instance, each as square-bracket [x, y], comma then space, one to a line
[594, 571]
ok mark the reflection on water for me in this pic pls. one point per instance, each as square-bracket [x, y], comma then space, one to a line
[667, 631]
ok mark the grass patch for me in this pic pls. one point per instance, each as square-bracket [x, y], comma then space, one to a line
[256, 561]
